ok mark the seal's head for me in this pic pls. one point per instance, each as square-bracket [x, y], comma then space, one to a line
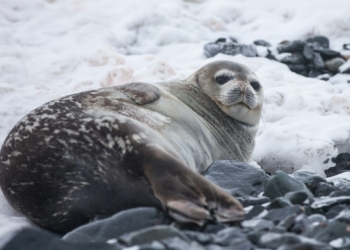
[234, 88]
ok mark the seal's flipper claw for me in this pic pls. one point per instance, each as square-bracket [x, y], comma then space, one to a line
[141, 93]
[186, 211]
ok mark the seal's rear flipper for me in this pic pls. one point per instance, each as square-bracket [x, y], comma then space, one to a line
[141, 93]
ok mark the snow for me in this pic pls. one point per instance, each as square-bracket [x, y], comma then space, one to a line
[49, 49]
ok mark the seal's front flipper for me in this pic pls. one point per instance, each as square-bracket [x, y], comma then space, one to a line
[141, 93]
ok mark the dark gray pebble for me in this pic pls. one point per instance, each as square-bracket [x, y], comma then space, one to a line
[328, 53]
[255, 212]
[294, 59]
[120, 223]
[317, 218]
[296, 197]
[252, 201]
[155, 233]
[32, 239]
[296, 46]
[278, 215]
[325, 189]
[300, 69]
[233, 237]
[262, 43]
[318, 61]
[328, 231]
[279, 202]
[318, 42]
[238, 178]
[281, 183]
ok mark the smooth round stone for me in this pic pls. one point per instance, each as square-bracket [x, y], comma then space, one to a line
[296, 197]
[155, 233]
[328, 231]
[328, 53]
[308, 52]
[341, 243]
[319, 41]
[32, 239]
[281, 183]
[238, 178]
[262, 43]
[175, 243]
[256, 211]
[325, 189]
[279, 202]
[291, 47]
[294, 59]
[202, 238]
[274, 240]
[212, 49]
[155, 245]
[328, 202]
[288, 221]
[334, 64]
[334, 211]
[301, 224]
[343, 216]
[301, 69]
[258, 224]
[278, 215]
[318, 61]
[306, 246]
[120, 223]
[252, 201]
[232, 236]
[315, 73]
[317, 218]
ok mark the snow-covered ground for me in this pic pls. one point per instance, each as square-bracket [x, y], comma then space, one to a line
[52, 48]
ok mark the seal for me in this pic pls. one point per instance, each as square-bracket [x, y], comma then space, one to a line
[138, 144]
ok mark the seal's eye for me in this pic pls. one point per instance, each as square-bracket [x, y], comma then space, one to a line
[256, 86]
[223, 79]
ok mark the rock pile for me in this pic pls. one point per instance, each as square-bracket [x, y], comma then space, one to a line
[311, 58]
[285, 212]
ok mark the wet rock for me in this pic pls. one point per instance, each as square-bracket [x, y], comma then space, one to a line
[301, 224]
[221, 40]
[279, 202]
[252, 201]
[213, 227]
[258, 224]
[342, 162]
[31, 239]
[262, 43]
[328, 53]
[330, 201]
[335, 211]
[343, 216]
[306, 246]
[300, 69]
[238, 178]
[155, 233]
[318, 61]
[155, 245]
[255, 212]
[202, 238]
[278, 215]
[281, 183]
[296, 197]
[229, 48]
[318, 41]
[274, 240]
[270, 55]
[232, 237]
[328, 231]
[296, 46]
[317, 218]
[120, 223]
[342, 243]
[308, 52]
[310, 179]
[294, 59]
[315, 73]
[325, 189]
[345, 68]
[288, 221]
[334, 64]
[176, 243]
